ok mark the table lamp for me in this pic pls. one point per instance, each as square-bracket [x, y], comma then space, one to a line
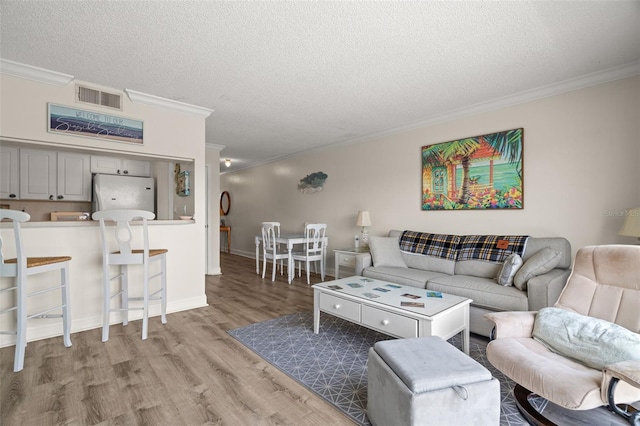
[364, 220]
[631, 226]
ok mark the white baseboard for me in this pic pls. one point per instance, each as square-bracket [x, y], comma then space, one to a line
[53, 328]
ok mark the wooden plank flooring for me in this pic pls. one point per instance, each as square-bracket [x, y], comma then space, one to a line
[188, 372]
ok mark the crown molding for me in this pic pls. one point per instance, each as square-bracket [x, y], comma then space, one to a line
[143, 98]
[582, 82]
[587, 80]
[30, 72]
[214, 146]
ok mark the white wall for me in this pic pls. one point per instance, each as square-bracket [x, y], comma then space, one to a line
[213, 197]
[581, 156]
[168, 134]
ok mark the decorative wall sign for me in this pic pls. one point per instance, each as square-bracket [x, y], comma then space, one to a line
[184, 184]
[77, 122]
[312, 183]
[480, 172]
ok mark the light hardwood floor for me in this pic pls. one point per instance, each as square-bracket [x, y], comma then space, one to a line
[188, 372]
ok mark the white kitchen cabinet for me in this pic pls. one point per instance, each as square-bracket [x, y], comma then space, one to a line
[120, 166]
[9, 173]
[50, 175]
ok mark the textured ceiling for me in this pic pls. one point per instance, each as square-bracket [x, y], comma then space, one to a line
[286, 77]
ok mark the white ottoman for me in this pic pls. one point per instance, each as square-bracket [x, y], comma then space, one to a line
[427, 381]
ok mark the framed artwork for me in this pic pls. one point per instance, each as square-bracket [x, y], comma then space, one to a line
[78, 122]
[479, 172]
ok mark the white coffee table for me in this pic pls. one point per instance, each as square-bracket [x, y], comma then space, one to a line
[350, 299]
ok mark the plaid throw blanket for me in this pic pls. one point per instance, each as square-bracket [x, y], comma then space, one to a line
[493, 248]
[438, 245]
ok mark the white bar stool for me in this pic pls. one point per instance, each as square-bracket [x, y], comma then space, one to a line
[20, 268]
[123, 258]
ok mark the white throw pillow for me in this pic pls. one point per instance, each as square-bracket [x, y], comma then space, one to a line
[593, 342]
[385, 251]
[538, 264]
[509, 268]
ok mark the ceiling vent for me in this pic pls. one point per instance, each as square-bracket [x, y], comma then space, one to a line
[88, 95]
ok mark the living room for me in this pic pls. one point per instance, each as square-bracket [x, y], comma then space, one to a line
[580, 154]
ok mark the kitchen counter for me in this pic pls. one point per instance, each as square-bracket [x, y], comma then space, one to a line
[81, 240]
[78, 223]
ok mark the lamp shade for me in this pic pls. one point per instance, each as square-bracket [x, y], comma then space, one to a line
[631, 226]
[363, 218]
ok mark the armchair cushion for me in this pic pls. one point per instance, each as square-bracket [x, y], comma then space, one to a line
[591, 341]
[385, 251]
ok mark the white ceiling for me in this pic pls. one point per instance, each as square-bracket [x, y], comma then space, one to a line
[289, 77]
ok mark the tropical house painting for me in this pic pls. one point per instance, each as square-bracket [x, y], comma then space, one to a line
[480, 172]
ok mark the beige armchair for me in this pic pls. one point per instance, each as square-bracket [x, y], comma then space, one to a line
[604, 285]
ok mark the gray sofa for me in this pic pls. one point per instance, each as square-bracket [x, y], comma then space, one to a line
[476, 279]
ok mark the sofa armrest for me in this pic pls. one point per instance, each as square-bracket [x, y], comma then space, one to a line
[363, 261]
[512, 324]
[544, 290]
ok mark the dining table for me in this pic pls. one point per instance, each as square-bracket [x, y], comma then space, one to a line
[290, 240]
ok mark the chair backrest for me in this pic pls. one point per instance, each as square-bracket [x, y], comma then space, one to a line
[123, 232]
[11, 269]
[314, 236]
[605, 283]
[276, 227]
[270, 230]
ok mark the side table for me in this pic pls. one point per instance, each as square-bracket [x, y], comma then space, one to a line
[351, 257]
[227, 230]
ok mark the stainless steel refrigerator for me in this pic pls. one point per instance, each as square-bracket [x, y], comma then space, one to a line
[123, 192]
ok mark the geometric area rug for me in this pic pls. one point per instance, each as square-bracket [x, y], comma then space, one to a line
[333, 363]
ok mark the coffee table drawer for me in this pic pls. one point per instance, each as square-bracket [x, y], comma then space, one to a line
[389, 323]
[340, 307]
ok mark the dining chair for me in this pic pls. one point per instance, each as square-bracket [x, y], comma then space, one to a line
[124, 257]
[313, 248]
[315, 270]
[272, 250]
[276, 228]
[20, 268]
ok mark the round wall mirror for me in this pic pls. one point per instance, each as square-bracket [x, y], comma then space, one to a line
[225, 203]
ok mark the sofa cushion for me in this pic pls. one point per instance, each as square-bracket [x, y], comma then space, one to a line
[477, 268]
[538, 264]
[589, 340]
[560, 244]
[483, 291]
[385, 251]
[429, 263]
[403, 276]
[509, 269]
